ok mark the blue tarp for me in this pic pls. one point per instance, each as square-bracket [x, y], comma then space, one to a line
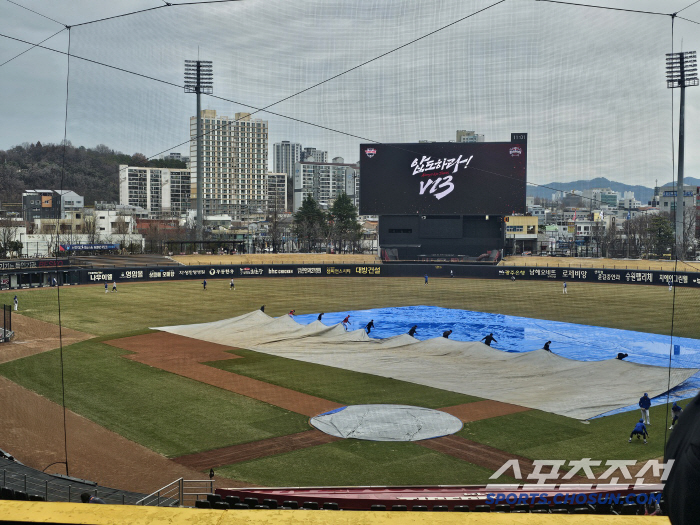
[522, 334]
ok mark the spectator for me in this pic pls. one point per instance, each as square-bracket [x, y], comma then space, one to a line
[85, 497]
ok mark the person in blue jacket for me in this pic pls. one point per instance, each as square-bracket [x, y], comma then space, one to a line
[677, 411]
[644, 405]
[640, 431]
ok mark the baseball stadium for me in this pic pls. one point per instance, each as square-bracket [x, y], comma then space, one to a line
[489, 327]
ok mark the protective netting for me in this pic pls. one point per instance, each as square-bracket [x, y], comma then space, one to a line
[586, 84]
[537, 379]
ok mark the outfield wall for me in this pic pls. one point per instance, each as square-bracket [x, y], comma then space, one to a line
[41, 277]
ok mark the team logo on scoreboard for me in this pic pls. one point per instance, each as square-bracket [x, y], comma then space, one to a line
[516, 151]
[370, 152]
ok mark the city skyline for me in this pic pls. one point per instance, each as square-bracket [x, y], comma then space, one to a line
[587, 85]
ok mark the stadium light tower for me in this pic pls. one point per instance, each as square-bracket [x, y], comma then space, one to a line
[199, 78]
[681, 71]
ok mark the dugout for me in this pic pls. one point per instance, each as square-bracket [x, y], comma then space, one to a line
[460, 237]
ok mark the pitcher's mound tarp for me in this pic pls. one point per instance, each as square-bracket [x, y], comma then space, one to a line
[539, 379]
[386, 423]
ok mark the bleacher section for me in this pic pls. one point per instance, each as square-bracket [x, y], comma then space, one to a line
[20, 482]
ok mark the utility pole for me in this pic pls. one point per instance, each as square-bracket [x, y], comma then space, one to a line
[199, 78]
[681, 71]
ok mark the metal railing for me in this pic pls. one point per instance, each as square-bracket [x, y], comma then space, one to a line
[181, 492]
[54, 491]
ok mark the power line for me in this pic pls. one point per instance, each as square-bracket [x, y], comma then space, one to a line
[686, 7]
[91, 61]
[58, 288]
[29, 49]
[37, 13]
[603, 7]
[688, 20]
[385, 54]
[166, 4]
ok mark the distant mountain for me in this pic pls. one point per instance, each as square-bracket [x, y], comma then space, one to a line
[92, 173]
[687, 181]
[641, 193]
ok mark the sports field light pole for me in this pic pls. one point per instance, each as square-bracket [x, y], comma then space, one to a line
[681, 71]
[199, 78]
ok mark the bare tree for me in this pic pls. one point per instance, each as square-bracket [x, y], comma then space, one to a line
[90, 229]
[8, 233]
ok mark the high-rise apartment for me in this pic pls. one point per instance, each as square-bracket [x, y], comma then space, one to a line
[324, 181]
[276, 193]
[234, 155]
[162, 192]
[285, 155]
[314, 155]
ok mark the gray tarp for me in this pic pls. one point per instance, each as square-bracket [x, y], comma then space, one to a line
[386, 423]
[539, 379]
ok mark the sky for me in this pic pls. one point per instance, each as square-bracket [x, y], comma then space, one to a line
[586, 84]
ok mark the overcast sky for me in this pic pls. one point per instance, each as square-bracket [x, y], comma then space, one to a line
[587, 85]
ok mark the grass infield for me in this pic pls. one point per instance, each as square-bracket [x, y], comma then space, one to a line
[173, 415]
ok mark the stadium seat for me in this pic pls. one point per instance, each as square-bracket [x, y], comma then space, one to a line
[539, 511]
[482, 508]
[461, 508]
[272, 503]
[502, 507]
[581, 510]
[522, 507]
[222, 505]
[311, 505]
[291, 504]
[21, 495]
[419, 508]
[440, 508]
[399, 507]
[36, 497]
[559, 511]
[7, 493]
[241, 506]
[629, 509]
[378, 507]
[330, 506]
[252, 502]
[232, 500]
[541, 506]
[202, 504]
[261, 507]
[603, 508]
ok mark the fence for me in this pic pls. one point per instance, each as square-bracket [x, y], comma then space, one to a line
[7, 332]
[181, 492]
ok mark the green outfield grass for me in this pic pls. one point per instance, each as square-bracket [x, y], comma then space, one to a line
[174, 415]
[355, 462]
[142, 305]
[167, 413]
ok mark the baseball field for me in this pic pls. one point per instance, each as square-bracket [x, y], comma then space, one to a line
[144, 407]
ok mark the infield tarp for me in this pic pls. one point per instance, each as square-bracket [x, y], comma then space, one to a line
[537, 379]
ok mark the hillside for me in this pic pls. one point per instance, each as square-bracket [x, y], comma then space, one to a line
[92, 173]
